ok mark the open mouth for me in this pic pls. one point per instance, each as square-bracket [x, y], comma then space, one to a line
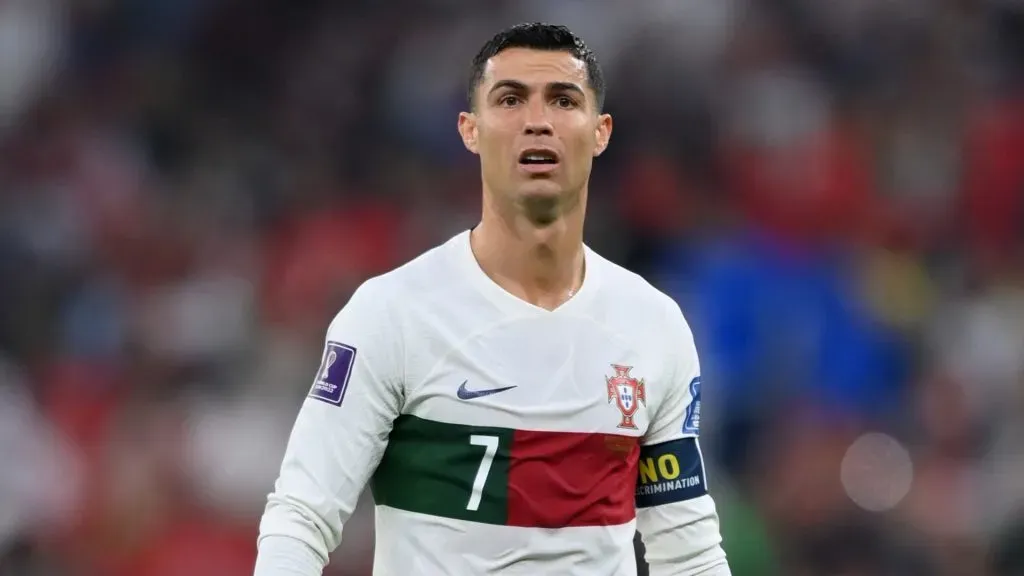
[538, 157]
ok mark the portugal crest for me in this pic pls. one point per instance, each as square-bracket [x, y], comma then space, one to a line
[627, 392]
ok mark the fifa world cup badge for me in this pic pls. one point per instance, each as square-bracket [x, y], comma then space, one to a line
[628, 393]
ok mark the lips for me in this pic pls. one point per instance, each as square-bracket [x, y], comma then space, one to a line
[535, 156]
[538, 160]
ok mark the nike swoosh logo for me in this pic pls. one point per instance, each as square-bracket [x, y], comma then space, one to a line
[467, 394]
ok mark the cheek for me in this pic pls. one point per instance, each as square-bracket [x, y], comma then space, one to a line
[494, 154]
[497, 151]
[495, 142]
[585, 144]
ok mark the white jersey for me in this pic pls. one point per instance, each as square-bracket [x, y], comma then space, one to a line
[498, 437]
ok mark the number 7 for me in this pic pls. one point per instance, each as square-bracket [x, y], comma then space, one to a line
[491, 443]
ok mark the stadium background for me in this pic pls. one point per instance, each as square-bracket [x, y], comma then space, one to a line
[834, 191]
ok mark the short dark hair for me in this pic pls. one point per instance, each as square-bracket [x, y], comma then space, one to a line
[537, 36]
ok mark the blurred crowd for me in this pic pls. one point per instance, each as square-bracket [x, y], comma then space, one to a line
[833, 191]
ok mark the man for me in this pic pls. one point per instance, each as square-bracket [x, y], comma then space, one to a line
[518, 404]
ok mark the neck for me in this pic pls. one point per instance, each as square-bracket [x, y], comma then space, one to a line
[542, 265]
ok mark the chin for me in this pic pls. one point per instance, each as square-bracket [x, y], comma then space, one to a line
[541, 188]
[543, 202]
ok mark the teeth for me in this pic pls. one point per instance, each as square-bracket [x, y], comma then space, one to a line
[538, 157]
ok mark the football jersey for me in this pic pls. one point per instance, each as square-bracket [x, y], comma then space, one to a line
[499, 437]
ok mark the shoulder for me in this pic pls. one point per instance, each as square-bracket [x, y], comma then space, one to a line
[633, 298]
[385, 296]
[374, 318]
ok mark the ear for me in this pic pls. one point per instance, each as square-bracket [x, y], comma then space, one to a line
[468, 131]
[602, 133]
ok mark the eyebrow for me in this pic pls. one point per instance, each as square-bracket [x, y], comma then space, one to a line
[550, 87]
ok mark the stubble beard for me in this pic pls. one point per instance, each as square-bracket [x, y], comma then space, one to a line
[543, 210]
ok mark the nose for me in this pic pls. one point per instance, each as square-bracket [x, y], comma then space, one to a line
[537, 122]
[538, 128]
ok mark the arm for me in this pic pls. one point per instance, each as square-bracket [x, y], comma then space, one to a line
[675, 515]
[339, 436]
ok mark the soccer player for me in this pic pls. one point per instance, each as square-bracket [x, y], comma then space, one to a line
[518, 404]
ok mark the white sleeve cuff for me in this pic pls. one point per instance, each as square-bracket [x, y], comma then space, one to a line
[285, 556]
[683, 539]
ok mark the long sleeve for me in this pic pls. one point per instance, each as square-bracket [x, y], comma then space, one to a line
[284, 556]
[338, 438]
[675, 514]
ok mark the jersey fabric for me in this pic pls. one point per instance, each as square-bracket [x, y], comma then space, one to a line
[498, 437]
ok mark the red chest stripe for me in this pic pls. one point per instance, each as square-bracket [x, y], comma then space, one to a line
[559, 479]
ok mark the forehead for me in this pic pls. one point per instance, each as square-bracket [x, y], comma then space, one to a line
[535, 67]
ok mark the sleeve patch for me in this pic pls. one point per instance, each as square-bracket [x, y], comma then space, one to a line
[670, 472]
[691, 424]
[335, 370]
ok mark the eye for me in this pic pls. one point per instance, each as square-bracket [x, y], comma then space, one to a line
[508, 100]
[565, 102]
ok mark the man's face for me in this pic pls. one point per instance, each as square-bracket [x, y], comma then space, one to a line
[536, 128]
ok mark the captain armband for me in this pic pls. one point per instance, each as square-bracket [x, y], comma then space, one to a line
[670, 472]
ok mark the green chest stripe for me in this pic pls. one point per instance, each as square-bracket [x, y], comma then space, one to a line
[444, 469]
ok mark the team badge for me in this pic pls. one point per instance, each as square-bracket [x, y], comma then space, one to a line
[627, 392]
